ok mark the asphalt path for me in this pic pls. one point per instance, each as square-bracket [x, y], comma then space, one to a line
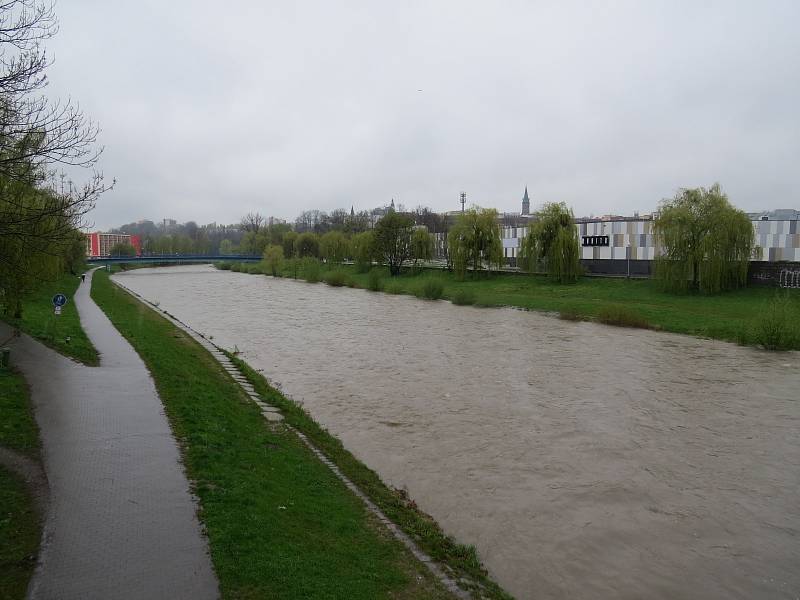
[121, 520]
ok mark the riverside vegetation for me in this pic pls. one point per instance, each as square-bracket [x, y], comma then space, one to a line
[279, 523]
[751, 316]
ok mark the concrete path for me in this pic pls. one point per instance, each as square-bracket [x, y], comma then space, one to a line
[121, 521]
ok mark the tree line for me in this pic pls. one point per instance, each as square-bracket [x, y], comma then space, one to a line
[41, 209]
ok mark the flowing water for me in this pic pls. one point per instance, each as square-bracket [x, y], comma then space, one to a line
[582, 461]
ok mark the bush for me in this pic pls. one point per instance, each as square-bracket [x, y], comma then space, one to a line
[393, 287]
[236, 267]
[621, 316]
[310, 269]
[776, 327]
[337, 278]
[375, 280]
[223, 266]
[431, 289]
[463, 297]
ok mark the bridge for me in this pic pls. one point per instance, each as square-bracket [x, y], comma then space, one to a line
[173, 259]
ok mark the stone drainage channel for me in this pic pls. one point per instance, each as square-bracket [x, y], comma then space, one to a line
[274, 415]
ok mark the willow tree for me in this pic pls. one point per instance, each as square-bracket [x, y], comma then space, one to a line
[706, 242]
[474, 241]
[552, 244]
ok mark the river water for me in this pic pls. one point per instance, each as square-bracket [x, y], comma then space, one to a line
[582, 461]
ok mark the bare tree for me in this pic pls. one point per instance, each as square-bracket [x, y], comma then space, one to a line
[40, 208]
[252, 222]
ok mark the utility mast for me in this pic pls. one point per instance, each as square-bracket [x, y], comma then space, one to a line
[463, 197]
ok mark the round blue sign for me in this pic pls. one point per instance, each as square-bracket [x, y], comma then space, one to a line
[59, 300]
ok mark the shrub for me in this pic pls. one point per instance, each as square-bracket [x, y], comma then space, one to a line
[463, 297]
[336, 278]
[621, 316]
[310, 269]
[273, 260]
[223, 266]
[431, 289]
[393, 287]
[375, 280]
[776, 326]
[236, 267]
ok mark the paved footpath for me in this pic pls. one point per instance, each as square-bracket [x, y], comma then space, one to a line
[121, 521]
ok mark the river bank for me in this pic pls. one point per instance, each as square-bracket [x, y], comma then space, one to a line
[560, 449]
[732, 316]
[279, 523]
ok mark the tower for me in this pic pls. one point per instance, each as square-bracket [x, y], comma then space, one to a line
[526, 203]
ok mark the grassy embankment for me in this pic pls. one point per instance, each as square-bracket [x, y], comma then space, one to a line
[280, 524]
[733, 316]
[20, 525]
[39, 321]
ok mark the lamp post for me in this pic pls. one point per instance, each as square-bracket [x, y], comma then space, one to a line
[628, 255]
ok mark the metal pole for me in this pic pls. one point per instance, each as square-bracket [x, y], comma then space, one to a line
[628, 254]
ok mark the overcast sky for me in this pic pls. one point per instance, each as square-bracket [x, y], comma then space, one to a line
[212, 109]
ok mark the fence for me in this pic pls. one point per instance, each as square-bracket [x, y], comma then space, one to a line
[789, 279]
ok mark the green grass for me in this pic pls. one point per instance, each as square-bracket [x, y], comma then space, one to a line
[20, 525]
[39, 321]
[18, 429]
[280, 524]
[19, 536]
[723, 316]
[459, 559]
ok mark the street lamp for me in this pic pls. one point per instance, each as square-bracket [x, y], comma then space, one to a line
[628, 255]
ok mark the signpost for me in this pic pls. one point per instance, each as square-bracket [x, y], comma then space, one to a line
[59, 300]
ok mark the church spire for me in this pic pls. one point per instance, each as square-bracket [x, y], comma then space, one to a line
[526, 203]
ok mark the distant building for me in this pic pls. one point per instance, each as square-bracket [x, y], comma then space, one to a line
[100, 244]
[526, 203]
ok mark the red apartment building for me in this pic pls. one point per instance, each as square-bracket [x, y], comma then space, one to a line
[100, 244]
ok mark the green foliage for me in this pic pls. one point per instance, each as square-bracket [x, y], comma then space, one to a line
[223, 266]
[375, 280]
[289, 244]
[707, 242]
[310, 269]
[121, 249]
[393, 287]
[273, 260]
[430, 289]
[552, 242]
[307, 245]
[334, 247]
[362, 249]
[421, 245]
[621, 316]
[393, 240]
[226, 247]
[463, 297]
[337, 278]
[777, 326]
[474, 241]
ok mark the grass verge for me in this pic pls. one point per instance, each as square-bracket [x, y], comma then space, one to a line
[279, 523]
[19, 536]
[39, 321]
[20, 525]
[723, 316]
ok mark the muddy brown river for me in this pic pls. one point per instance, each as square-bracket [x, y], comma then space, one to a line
[582, 461]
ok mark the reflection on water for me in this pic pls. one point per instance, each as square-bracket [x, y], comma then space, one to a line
[582, 461]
